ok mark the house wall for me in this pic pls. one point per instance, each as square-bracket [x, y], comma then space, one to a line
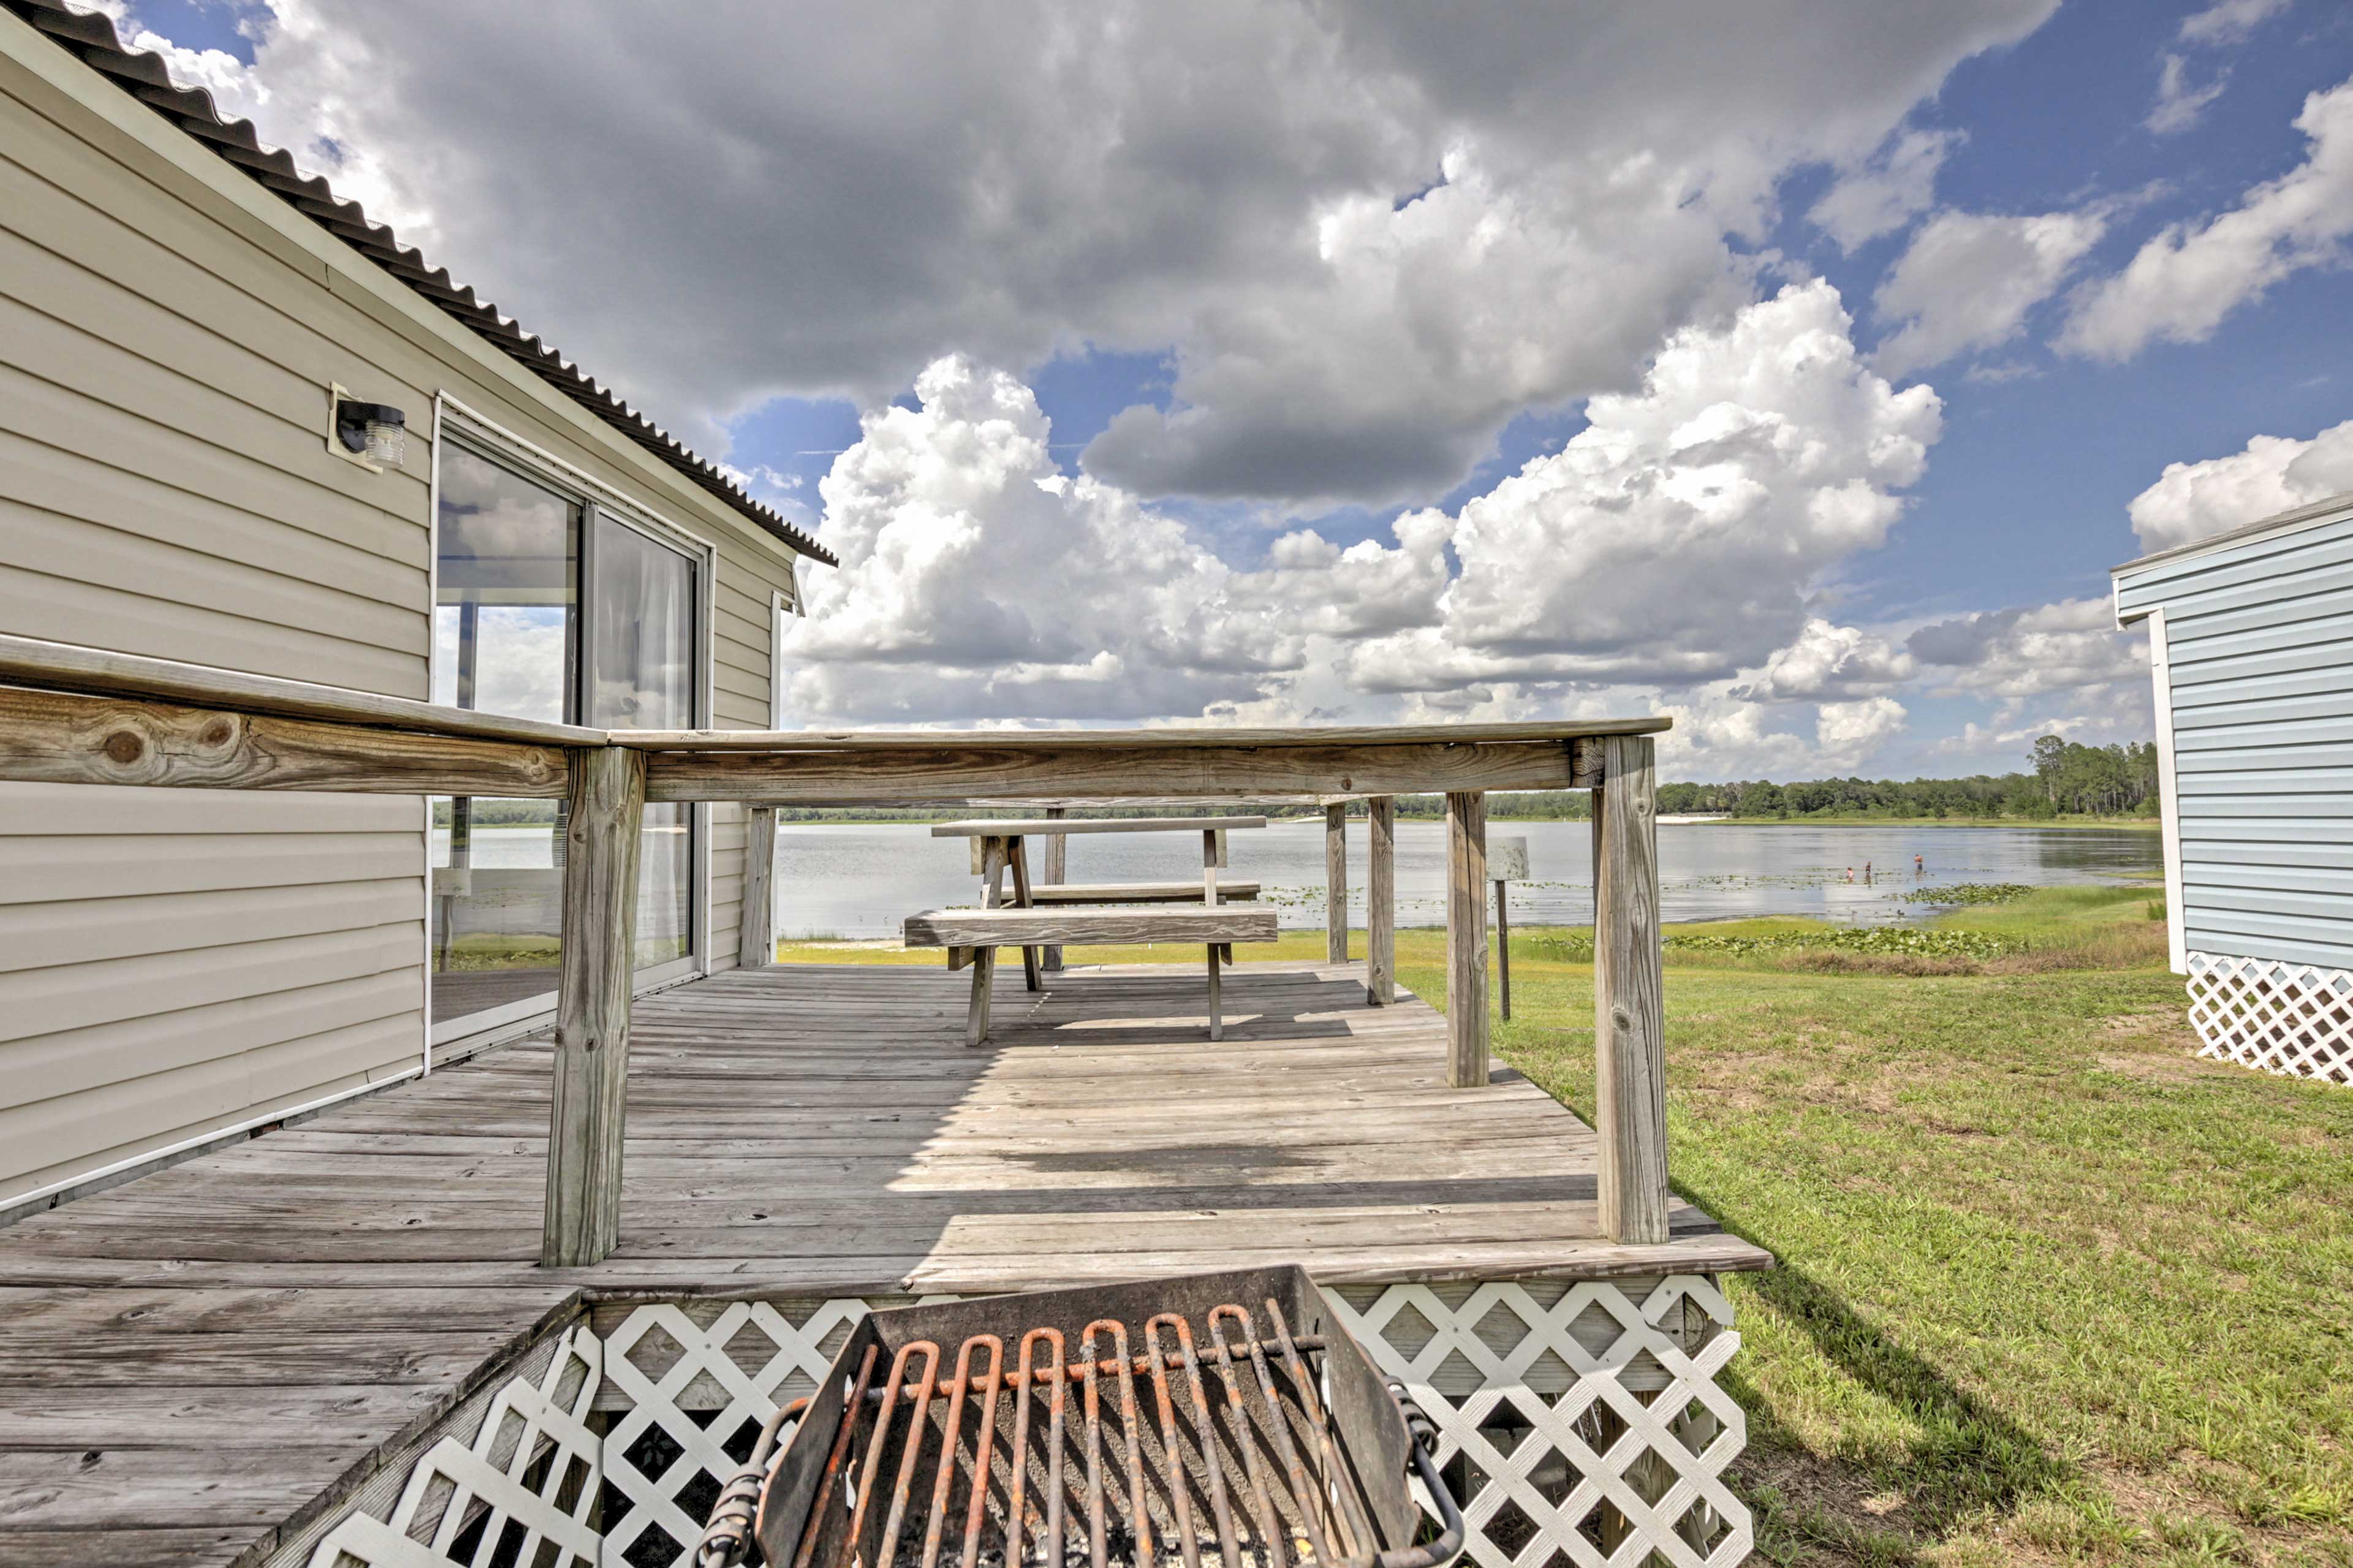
[2259, 637]
[174, 962]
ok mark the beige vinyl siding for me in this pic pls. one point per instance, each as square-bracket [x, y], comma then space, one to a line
[740, 701]
[176, 962]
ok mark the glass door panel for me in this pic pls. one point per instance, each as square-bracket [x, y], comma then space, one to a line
[497, 907]
[506, 637]
[641, 669]
[507, 592]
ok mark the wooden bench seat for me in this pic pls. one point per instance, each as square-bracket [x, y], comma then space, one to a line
[1134, 893]
[974, 935]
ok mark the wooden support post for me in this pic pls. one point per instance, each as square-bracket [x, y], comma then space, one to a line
[1217, 997]
[1628, 997]
[1507, 862]
[756, 946]
[1029, 956]
[1209, 866]
[1380, 900]
[1466, 940]
[583, 1220]
[1057, 868]
[1503, 948]
[993, 856]
[1335, 884]
[984, 977]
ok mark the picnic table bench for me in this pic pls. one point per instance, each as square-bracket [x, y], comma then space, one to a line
[1137, 892]
[1076, 914]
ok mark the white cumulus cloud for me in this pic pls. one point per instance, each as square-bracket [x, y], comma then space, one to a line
[1880, 196]
[1969, 278]
[2181, 102]
[2184, 280]
[1668, 549]
[1848, 732]
[2068, 646]
[1366, 237]
[2228, 21]
[1718, 735]
[1675, 537]
[2178, 102]
[2271, 474]
[976, 579]
[1828, 660]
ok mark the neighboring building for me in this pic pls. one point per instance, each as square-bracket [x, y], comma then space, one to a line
[2251, 643]
[180, 315]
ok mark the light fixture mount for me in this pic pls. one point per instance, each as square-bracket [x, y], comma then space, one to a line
[372, 433]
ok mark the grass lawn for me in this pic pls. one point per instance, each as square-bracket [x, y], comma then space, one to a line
[1861, 819]
[2052, 1290]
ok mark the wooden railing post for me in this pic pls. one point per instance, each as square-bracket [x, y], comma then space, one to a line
[1380, 900]
[1057, 871]
[1466, 940]
[1628, 995]
[1335, 884]
[582, 1222]
[756, 946]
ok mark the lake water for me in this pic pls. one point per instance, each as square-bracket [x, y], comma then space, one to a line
[836, 879]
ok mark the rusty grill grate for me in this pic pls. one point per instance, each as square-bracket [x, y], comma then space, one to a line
[1204, 1437]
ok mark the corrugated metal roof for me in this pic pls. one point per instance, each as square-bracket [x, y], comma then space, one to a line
[91, 38]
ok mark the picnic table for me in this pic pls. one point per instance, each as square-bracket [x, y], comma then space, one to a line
[1128, 912]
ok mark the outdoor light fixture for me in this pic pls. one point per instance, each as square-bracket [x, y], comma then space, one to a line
[377, 433]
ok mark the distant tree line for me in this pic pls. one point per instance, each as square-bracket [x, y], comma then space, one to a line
[2068, 780]
[1534, 806]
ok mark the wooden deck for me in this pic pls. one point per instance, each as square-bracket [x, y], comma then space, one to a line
[192, 1360]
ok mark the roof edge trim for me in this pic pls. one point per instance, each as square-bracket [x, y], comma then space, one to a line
[2286, 521]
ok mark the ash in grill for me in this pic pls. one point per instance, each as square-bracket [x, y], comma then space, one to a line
[1221, 1420]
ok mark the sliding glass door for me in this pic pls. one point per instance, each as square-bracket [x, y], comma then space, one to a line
[641, 672]
[549, 606]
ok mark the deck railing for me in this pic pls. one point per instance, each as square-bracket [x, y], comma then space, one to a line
[77, 715]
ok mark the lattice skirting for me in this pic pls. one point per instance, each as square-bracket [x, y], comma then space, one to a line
[521, 1488]
[1581, 1423]
[2295, 1019]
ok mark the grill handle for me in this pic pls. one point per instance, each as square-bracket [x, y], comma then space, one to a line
[1423, 1434]
[729, 1532]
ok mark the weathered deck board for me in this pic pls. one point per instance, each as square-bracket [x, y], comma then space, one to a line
[238, 1337]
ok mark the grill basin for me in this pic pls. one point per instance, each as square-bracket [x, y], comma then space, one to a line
[1224, 1419]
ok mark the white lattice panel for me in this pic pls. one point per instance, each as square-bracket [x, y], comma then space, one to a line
[2295, 1019]
[694, 1388]
[1639, 1426]
[1585, 1425]
[522, 1491]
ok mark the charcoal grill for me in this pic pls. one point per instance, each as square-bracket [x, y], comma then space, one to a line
[1219, 1419]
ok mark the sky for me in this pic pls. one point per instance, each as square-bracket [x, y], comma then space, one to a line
[1796, 369]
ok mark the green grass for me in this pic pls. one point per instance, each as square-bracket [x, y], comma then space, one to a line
[2051, 1290]
[1864, 819]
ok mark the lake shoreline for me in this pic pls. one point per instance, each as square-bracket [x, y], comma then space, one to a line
[863, 880]
[1494, 823]
[2035, 824]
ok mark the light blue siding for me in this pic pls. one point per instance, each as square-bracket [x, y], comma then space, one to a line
[2260, 639]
